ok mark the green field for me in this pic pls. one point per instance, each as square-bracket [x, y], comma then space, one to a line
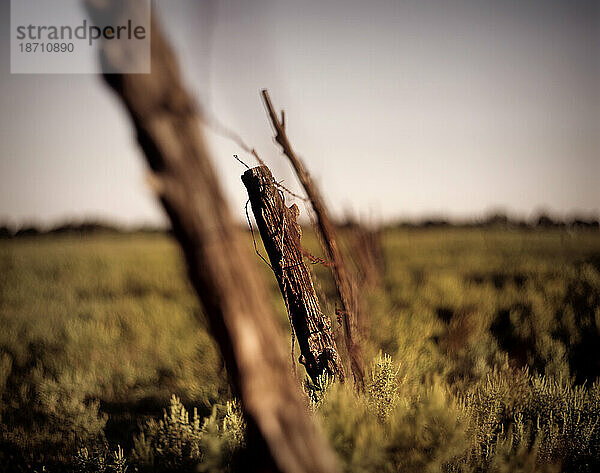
[97, 333]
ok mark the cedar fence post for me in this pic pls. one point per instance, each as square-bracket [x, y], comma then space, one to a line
[281, 237]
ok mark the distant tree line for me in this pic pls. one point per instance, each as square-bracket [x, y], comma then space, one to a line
[494, 220]
[499, 220]
[86, 227]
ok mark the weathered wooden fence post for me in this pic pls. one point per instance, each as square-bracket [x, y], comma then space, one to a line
[281, 235]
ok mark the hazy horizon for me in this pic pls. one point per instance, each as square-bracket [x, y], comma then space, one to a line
[452, 109]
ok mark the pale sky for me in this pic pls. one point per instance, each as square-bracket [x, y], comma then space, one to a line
[401, 109]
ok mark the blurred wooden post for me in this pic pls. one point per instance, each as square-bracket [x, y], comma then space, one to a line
[281, 237]
[344, 286]
[282, 436]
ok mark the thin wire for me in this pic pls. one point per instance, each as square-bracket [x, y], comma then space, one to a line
[282, 187]
[236, 157]
[254, 239]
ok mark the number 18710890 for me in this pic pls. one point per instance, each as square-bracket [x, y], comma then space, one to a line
[46, 47]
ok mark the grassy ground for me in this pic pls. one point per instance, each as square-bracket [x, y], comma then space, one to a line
[99, 331]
